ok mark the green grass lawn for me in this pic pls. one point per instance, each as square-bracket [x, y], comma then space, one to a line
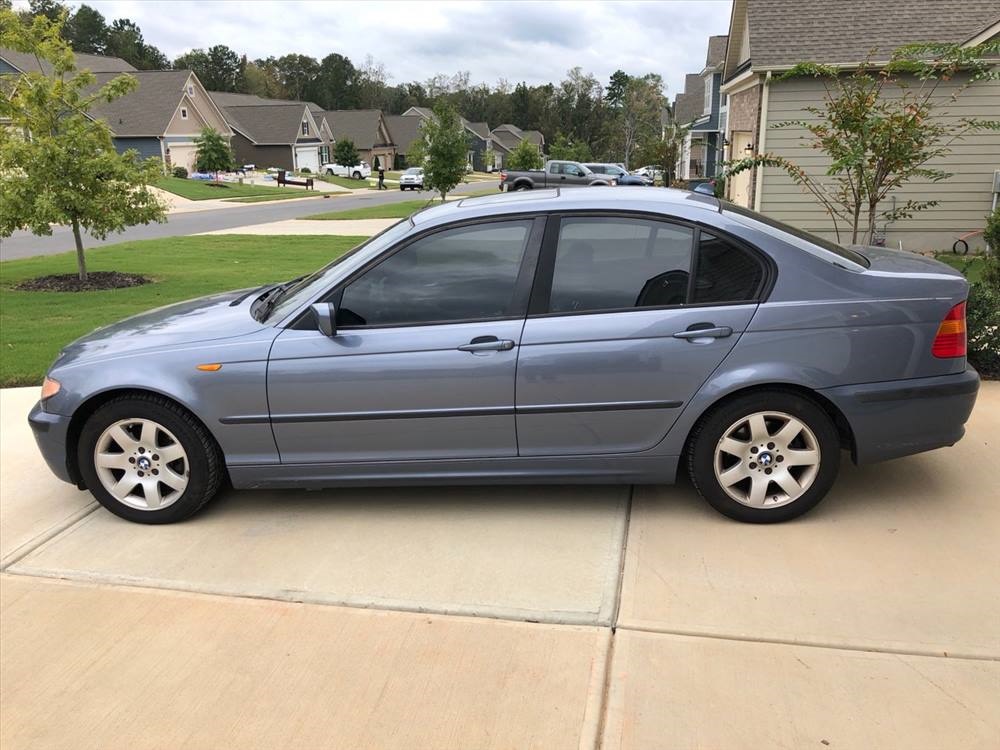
[199, 190]
[386, 211]
[970, 265]
[34, 326]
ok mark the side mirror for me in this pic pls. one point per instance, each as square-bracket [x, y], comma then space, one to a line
[326, 318]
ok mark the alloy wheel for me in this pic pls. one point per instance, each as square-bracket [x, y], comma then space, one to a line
[141, 464]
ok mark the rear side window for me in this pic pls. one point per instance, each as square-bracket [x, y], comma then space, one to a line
[725, 273]
[615, 263]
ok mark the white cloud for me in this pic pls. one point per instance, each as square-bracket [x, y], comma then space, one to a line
[536, 42]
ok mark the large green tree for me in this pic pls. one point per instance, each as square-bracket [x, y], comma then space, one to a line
[125, 41]
[218, 68]
[58, 165]
[881, 127]
[87, 31]
[446, 148]
[335, 85]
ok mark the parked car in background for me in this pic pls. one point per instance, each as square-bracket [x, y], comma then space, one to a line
[412, 179]
[555, 174]
[651, 171]
[619, 174]
[561, 336]
[358, 171]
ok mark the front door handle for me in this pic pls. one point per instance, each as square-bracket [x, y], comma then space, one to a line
[711, 332]
[487, 344]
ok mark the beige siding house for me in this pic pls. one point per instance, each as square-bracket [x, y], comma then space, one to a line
[768, 37]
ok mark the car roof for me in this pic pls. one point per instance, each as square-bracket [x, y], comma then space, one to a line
[663, 200]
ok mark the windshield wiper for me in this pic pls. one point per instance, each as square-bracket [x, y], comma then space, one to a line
[266, 302]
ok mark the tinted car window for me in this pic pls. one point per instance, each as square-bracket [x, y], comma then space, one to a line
[614, 263]
[458, 274]
[726, 272]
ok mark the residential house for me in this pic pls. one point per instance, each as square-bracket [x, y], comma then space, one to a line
[688, 106]
[160, 118]
[478, 133]
[507, 137]
[276, 132]
[768, 37]
[405, 131]
[708, 127]
[368, 130]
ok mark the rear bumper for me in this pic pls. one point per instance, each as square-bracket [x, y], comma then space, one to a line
[903, 417]
[50, 433]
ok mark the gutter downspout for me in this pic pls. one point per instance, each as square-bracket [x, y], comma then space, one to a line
[761, 139]
[163, 154]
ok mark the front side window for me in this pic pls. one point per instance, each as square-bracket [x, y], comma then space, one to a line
[462, 274]
[617, 263]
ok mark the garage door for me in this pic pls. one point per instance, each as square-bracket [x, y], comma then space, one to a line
[308, 157]
[183, 155]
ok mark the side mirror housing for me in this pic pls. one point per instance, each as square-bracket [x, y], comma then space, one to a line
[326, 318]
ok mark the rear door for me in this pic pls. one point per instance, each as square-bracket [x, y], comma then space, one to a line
[628, 318]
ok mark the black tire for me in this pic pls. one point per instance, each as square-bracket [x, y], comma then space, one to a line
[711, 429]
[401, 187]
[206, 465]
[357, 175]
[961, 247]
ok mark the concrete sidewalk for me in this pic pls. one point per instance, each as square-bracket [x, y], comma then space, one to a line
[870, 623]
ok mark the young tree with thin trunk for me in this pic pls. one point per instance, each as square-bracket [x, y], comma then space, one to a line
[345, 154]
[213, 152]
[524, 156]
[57, 165]
[881, 127]
[446, 149]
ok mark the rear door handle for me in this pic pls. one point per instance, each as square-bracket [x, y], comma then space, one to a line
[487, 344]
[714, 332]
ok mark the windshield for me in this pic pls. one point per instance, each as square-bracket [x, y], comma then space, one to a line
[312, 285]
[413, 170]
[833, 247]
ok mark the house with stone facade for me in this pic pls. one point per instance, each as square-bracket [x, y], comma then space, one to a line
[769, 37]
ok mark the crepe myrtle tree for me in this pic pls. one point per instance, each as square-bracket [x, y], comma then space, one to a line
[345, 154]
[445, 149]
[57, 164]
[213, 152]
[881, 127]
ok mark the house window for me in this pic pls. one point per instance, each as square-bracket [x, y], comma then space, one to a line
[184, 113]
[708, 95]
[190, 90]
[305, 127]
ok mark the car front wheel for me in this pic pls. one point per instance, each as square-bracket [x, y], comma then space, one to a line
[357, 175]
[765, 457]
[148, 460]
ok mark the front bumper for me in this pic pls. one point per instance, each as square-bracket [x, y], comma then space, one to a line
[50, 433]
[902, 417]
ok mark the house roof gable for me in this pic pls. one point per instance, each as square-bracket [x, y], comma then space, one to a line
[148, 109]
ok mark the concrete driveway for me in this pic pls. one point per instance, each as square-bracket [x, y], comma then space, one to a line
[496, 617]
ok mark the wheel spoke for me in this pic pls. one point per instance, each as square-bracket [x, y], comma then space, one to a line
[808, 457]
[147, 434]
[125, 441]
[112, 461]
[151, 490]
[758, 490]
[733, 447]
[789, 432]
[123, 487]
[173, 480]
[758, 429]
[734, 474]
[788, 483]
[170, 453]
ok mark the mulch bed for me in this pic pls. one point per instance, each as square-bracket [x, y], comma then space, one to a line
[70, 282]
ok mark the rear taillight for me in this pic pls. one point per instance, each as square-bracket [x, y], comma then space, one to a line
[503, 176]
[950, 339]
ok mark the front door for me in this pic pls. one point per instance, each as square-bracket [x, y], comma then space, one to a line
[623, 337]
[739, 184]
[422, 365]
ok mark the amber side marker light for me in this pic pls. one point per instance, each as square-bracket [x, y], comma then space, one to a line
[209, 368]
[950, 340]
[50, 388]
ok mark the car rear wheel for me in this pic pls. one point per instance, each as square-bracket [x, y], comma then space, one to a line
[357, 175]
[765, 457]
[148, 460]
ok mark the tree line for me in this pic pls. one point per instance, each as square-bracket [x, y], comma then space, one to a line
[579, 117]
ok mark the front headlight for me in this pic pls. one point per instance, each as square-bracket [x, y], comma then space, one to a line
[614, 182]
[50, 388]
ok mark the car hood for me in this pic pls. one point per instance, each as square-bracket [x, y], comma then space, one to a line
[219, 316]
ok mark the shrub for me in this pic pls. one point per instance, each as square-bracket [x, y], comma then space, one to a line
[992, 232]
[305, 170]
[180, 172]
[983, 320]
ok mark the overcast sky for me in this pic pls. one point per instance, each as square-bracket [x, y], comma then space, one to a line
[535, 42]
